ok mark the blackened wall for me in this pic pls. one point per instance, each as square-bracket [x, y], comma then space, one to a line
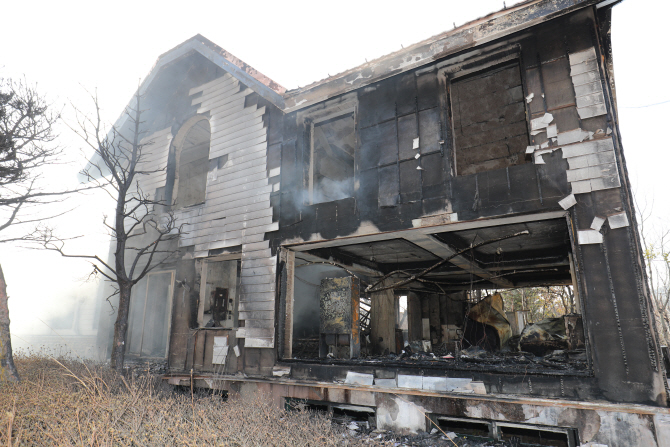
[390, 191]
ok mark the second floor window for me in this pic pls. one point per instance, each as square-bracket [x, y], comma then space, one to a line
[331, 170]
[193, 163]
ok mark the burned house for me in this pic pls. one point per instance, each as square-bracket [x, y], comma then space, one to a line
[356, 245]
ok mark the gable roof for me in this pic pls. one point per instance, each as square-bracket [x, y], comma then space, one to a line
[254, 79]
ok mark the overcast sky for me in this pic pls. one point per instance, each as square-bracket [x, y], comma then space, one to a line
[67, 46]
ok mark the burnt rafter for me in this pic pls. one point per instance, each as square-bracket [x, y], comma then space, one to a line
[375, 287]
[345, 258]
[442, 250]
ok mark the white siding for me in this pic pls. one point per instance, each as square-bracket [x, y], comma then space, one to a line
[237, 208]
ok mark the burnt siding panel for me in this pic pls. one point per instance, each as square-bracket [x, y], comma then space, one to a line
[406, 93]
[630, 315]
[377, 103]
[274, 156]
[553, 179]
[407, 132]
[534, 87]
[371, 141]
[428, 90]
[429, 130]
[494, 189]
[347, 216]
[389, 186]
[291, 172]
[434, 176]
[326, 219]
[558, 88]
[465, 196]
[307, 221]
[276, 124]
[565, 119]
[410, 182]
[368, 194]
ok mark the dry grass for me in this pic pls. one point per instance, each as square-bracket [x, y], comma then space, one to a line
[69, 403]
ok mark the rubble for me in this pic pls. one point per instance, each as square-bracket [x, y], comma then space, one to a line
[434, 438]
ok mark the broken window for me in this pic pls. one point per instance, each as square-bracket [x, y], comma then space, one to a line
[489, 120]
[331, 170]
[219, 293]
[150, 314]
[193, 164]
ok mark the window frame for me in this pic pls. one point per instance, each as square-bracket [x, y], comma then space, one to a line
[453, 70]
[169, 304]
[178, 144]
[203, 290]
[306, 120]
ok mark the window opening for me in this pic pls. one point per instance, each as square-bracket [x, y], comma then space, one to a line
[149, 318]
[219, 293]
[331, 170]
[489, 120]
[193, 165]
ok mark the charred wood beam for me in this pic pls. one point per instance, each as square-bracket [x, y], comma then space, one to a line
[313, 259]
[345, 258]
[442, 250]
[376, 288]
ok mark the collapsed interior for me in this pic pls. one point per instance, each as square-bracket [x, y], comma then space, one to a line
[500, 295]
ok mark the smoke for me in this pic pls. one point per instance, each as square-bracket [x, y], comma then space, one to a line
[328, 190]
[306, 297]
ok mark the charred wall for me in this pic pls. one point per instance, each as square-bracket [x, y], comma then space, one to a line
[393, 187]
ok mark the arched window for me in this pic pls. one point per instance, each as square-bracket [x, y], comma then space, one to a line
[192, 143]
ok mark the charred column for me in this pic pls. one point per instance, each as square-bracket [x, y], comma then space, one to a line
[339, 329]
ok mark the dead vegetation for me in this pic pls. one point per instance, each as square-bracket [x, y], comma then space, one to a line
[65, 402]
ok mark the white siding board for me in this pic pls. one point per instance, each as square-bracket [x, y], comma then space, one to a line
[258, 280]
[587, 89]
[587, 147]
[591, 111]
[241, 170]
[209, 84]
[237, 209]
[258, 297]
[261, 262]
[241, 210]
[251, 121]
[224, 150]
[583, 67]
[225, 102]
[217, 187]
[257, 254]
[260, 323]
[248, 289]
[235, 119]
[586, 78]
[258, 314]
[244, 135]
[253, 332]
[217, 97]
[219, 91]
[256, 305]
[590, 100]
[259, 343]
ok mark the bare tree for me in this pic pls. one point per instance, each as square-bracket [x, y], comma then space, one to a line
[143, 236]
[26, 146]
[656, 251]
